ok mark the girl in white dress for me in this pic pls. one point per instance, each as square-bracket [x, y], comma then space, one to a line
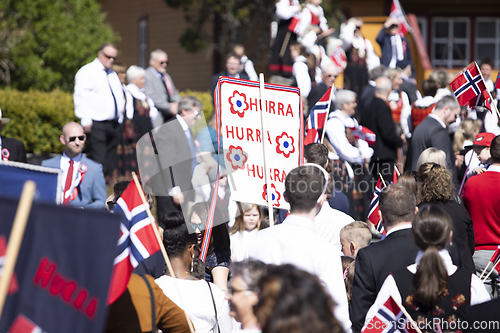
[244, 228]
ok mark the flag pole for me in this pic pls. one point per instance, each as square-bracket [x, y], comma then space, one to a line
[484, 270]
[492, 269]
[16, 238]
[407, 315]
[162, 247]
[266, 151]
[382, 179]
[326, 115]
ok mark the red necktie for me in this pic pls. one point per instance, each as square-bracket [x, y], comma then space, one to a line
[169, 85]
[69, 180]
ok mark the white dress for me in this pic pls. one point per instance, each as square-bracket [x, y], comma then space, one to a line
[197, 302]
[239, 244]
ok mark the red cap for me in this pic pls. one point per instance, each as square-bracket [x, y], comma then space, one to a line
[484, 139]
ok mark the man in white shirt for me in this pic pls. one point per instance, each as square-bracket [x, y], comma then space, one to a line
[295, 241]
[99, 103]
[83, 181]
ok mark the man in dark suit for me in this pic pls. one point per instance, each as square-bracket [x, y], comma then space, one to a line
[433, 132]
[12, 149]
[408, 85]
[232, 70]
[160, 87]
[396, 251]
[175, 148]
[378, 118]
[329, 73]
[368, 93]
[83, 180]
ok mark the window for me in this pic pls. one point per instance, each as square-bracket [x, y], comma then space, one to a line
[488, 39]
[143, 42]
[450, 42]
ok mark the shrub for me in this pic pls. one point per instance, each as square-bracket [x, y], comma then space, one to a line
[37, 118]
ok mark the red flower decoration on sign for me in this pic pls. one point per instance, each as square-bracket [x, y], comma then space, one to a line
[5, 154]
[238, 103]
[275, 195]
[237, 157]
[284, 145]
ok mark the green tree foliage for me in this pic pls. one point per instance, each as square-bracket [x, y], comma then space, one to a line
[43, 43]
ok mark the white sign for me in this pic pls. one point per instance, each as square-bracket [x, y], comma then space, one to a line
[238, 102]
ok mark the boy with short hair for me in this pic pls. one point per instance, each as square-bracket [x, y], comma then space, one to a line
[481, 147]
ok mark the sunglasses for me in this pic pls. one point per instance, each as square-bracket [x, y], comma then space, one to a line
[195, 226]
[107, 56]
[164, 62]
[73, 138]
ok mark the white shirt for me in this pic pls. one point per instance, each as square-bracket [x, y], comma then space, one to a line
[425, 101]
[359, 43]
[491, 122]
[197, 302]
[478, 293]
[295, 242]
[240, 241]
[328, 222]
[301, 73]
[249, 68]
[140, 95]
[441, 92]
[438, 120]
[93, 99]
[405, 117]
[335, 129]
[306, 17]
[64, 166]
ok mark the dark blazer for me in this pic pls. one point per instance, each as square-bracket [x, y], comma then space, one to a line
[175, 157]
[430, 133]
[378, 117]
[92, 189]
[365, 99]
[384, 40]
[373, 265]
[410, 89]
[463, 231]
[216, 77]
[157, 91]
[487, 312]
[16, 149]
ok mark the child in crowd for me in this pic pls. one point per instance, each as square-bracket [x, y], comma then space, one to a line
[481, 147]
[347, 262]
[354, 236]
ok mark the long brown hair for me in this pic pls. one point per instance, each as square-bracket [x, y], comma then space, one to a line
[239, 225]
[431, 232]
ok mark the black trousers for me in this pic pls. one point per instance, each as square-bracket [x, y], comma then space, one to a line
[103, 144]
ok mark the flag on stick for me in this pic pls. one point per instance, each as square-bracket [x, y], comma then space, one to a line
[494, 258]
[468, 85]
[374, 208]
[389, 319]
[137, 239]
[364, 133]
[317, 118]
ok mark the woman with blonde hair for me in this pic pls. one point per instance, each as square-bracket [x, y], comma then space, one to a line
[432, 155]
[244, 228]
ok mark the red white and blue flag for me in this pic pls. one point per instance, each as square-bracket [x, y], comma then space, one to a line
[137, 239]
[388, 319]
[468, 85]
[374, 208]
[398, 12]
[339, 57]
[496, 256]
[364, 133]
[317, 117]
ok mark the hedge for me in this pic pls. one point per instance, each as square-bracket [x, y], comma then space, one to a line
[37, 117]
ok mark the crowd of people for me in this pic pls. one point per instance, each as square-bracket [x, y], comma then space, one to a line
[324, 267]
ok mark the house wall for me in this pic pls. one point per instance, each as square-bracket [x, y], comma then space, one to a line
[165, 26]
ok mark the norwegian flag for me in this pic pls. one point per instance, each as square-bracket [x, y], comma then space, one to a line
[364, 133]
[294, 24]
[485, 101]
[137, 239]
[373, 212]
[496, 256]
[469, 84]
[339, 57]
[388, 319]
[317, 116]
[398, 12]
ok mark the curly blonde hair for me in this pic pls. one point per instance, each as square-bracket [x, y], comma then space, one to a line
[435, 183]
